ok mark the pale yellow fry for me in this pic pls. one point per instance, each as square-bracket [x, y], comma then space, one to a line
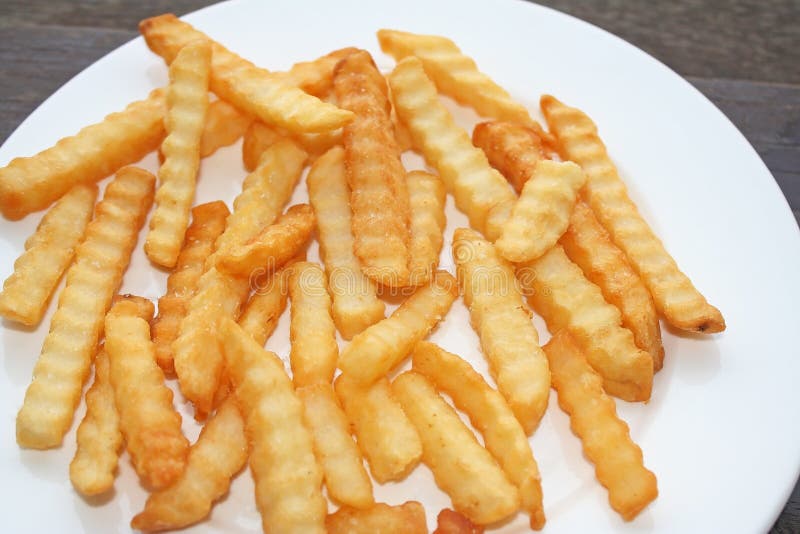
[479, 190]
[593, 418]
[426, 196]
[219, 453]
[33, 183]
[91, 281]
[541, 215]
[378, 192]
[461, 467]
[266, 304]
[401, 133]
[224, 126]
[147, 418]
[676, 298]
[406, 518]
[287, 476]
[251, 89]
[208, 222]
[345, 476]
[561, 294]
[48, 253]
[315, 77]
[99, 439]
[257, 139]
[355, 303]
[509, 340]
[491, 415]
[378, 349]
[588, 245]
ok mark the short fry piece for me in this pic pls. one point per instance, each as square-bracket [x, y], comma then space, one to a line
[461, 467]
[406, 518]
[224, 126]
[48, 253]
[512, 149]
[451, 522]
[257, 139]
[426, 195]
[676, 298]
[378, 349]
[593, 418]
[92, 280]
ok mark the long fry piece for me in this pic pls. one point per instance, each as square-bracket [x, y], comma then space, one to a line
[267, 303]
[426, 195]
[48, 253]
[593, 418]
[512, 149]
[92, 280]
[224, 126]
[406, 518]
[675, 296]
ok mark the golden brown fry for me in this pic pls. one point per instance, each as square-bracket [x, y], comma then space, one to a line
[92, 280]
[378, 349]
[605, 438]
[249, 88]
[378, 192]
[401, 133]
[681, 304]
[315, 77]
[451, 522]
[480, 191]
[287, 476]
[224, 126]
[426, 197]
[588, 245]
[219, 453]
[257, 139]
[386, 437]
[406, 518]
[355, 303]
[48, 253]
[491, 416]
[561, 294]
[147, 419]
[267, 303]
[509, 340]
[461, 467]
[345, 477]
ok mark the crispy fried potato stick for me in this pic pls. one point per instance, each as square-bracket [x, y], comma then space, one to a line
[426, 195]
[406, 518]
[287, 476]
[378, 193]
[491, 416]
[541, 215]
[257, 139]
[249, 88]
[147, 418]
[386, 437]
[378, 349]
[315, 77]
[92, 280]
[219, 453]
[345, 476]
[509, 340]
[676, 298]
[48, 253]
[451, 522]
[273, 246]
[461, 467]
[561, 294]
[224, 126]
[355, 303]
[593, 418]
[401, 133]
[512, 149]
[208, 223]
[480, 191]
[267, 303]
[588, 245]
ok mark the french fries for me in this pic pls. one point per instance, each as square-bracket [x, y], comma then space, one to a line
[462, 468]
[675, 297]
[426, 195]
[315, 77]
[257, 139]
[561, 294]
[378, 193]
[593, 418]
[588, 245]
[406, 518]
[509, 340]
[48, 253]
[386, 437]
[512, 149]
[491, 416]
[451, 522]
[147, 419]
[266, 304]
[92, 280]
[355, 303]
[480, 191]
[219, 453]
[249, 88]
[224, 126]
[378, 349]
[288, 479]
[33, 183]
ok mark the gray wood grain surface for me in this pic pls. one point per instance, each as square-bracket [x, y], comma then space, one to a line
[744, 55]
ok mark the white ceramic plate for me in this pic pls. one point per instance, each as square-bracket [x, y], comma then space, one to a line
[721, 429]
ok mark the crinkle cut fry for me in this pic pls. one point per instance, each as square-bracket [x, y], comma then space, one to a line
[426, 195]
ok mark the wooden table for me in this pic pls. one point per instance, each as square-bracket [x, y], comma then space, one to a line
[744, 55]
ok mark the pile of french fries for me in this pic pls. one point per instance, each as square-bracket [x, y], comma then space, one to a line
[551, 222]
